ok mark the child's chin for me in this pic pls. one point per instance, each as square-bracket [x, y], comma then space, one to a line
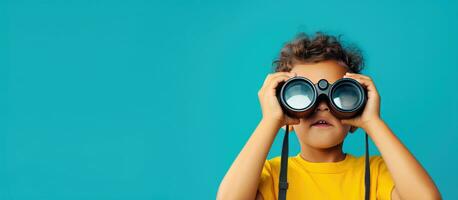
[324, 145]
[325, 141]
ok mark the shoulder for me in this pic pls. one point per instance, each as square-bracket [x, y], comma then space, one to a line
[272, 164]
[376, 161]
[275, 162]
[378, 168]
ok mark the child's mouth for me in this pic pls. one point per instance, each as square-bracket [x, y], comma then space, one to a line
[321, 124]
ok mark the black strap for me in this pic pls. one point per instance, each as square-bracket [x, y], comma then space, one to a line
[283, 183]
[367, 175]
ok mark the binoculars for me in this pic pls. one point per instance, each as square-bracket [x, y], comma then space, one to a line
[299, 97]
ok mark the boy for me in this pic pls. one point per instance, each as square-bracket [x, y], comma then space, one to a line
[322, 170]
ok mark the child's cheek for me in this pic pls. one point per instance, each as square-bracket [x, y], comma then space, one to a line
[304, 122]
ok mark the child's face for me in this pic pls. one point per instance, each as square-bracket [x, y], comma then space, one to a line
[316, 136]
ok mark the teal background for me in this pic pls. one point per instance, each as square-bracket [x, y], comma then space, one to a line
[153, 100]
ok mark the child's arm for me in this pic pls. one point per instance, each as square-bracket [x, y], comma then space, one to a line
[410, 178]
[242, 179]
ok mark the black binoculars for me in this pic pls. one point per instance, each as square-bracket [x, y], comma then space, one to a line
[299, 97]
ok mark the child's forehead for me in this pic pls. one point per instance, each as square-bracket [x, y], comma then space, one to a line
[329, 70]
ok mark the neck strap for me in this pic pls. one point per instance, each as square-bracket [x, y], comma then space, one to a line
[283, 182]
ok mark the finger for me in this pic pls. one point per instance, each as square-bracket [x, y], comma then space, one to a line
[367, 83]
[266, 80]
[269, 77]
[272, 85]
[273, 75]
[357, 75]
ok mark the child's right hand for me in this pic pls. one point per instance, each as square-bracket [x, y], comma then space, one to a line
[271, 109]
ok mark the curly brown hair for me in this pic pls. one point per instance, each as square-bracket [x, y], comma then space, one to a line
[321, 47]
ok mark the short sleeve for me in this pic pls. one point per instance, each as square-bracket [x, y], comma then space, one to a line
[266, 183]
[385, 182]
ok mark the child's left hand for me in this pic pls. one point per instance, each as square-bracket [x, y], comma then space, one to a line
[371, 111]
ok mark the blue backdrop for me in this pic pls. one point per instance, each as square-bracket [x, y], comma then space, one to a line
[153, 100]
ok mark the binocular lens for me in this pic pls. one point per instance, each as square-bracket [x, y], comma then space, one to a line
[347, 96]
[299, 95]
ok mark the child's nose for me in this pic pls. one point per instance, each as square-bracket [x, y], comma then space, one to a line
[322, 106]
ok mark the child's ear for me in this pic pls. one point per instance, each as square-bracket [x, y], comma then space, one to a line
[353, 129]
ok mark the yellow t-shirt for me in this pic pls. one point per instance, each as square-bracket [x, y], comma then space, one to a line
[333, 180]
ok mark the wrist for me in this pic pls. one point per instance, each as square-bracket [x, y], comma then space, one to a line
[271, 122]
[373, 125]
